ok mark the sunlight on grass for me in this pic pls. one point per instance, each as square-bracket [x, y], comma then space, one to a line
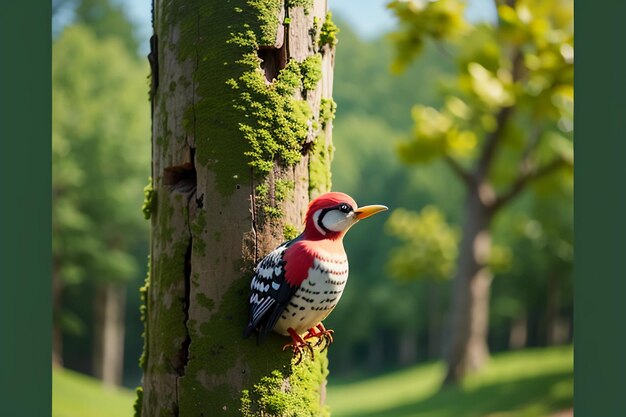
[77, 395]
[529, 383]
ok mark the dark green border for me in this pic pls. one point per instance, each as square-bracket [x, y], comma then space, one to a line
[25, 259]
[600, 210]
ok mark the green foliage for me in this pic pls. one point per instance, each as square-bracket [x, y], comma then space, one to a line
[512, 93]
[328, 32]
[106, 19]
[429, 247]
[526, 62]
[372, 116]
[421, 19]
[528, 383]
[100, 155]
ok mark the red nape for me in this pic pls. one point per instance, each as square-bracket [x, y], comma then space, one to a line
[298, 260]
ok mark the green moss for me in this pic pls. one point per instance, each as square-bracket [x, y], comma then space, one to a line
[164, 217]
[267, 14]
[205, 301]
[138, 405]
[277, 124]
[290, 232]
[311, 69]
[226, 353]
[149, 200]
[269, 124]
[169, 273]
[305, 4]
[320, 159]
[195, 279]
[328, 32]
[327, 111]
[283, 189]
[273, 212]
[143, 315]
[271, 204]
[279, 394]
[197, 229]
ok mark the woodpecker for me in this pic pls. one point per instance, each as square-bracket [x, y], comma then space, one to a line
[298, 284]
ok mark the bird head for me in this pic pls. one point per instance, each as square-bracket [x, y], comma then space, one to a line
[332, 214]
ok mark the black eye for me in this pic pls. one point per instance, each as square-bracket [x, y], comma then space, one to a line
[345, 208]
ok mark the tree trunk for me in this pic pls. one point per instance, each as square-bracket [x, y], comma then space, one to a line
[468, 350]
[241, 141]
[434, 320]
[57, 329]
[556, 332]
[108, 357]
[518, 335]
[407, 348]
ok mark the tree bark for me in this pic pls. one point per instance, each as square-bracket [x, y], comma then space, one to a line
[468, 348]
[219, 102]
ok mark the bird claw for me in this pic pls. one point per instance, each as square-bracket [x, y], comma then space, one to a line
[322, 334]
[299, 350]
[299, 346]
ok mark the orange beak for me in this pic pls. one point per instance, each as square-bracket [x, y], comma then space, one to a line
[367, 211]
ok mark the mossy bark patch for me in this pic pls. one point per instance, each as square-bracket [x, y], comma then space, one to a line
[279, 394]
[319, 163]
[328, 32]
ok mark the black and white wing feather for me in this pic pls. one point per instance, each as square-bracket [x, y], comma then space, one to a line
[269, 292]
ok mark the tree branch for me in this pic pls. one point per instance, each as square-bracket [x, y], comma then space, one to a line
[460, 172]
[526, 178]
[494, 138]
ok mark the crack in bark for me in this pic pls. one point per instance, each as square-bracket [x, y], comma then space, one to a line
[184, 350]
[187, 181]
[254, 216]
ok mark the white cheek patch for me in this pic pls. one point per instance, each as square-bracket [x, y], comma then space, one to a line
[337, 221]
[316, 217]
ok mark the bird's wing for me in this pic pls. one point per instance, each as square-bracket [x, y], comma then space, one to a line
[271, 289]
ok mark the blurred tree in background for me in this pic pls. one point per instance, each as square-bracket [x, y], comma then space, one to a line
[505, 126]
[100, 151]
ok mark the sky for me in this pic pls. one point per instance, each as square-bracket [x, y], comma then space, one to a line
[369, 18]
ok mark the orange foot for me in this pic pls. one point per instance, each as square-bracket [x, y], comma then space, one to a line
[322, 334]
[298, 346]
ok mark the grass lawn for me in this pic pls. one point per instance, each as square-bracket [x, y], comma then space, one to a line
[528, 383]
[78, 395]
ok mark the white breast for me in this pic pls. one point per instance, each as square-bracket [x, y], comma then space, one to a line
[317, 296]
